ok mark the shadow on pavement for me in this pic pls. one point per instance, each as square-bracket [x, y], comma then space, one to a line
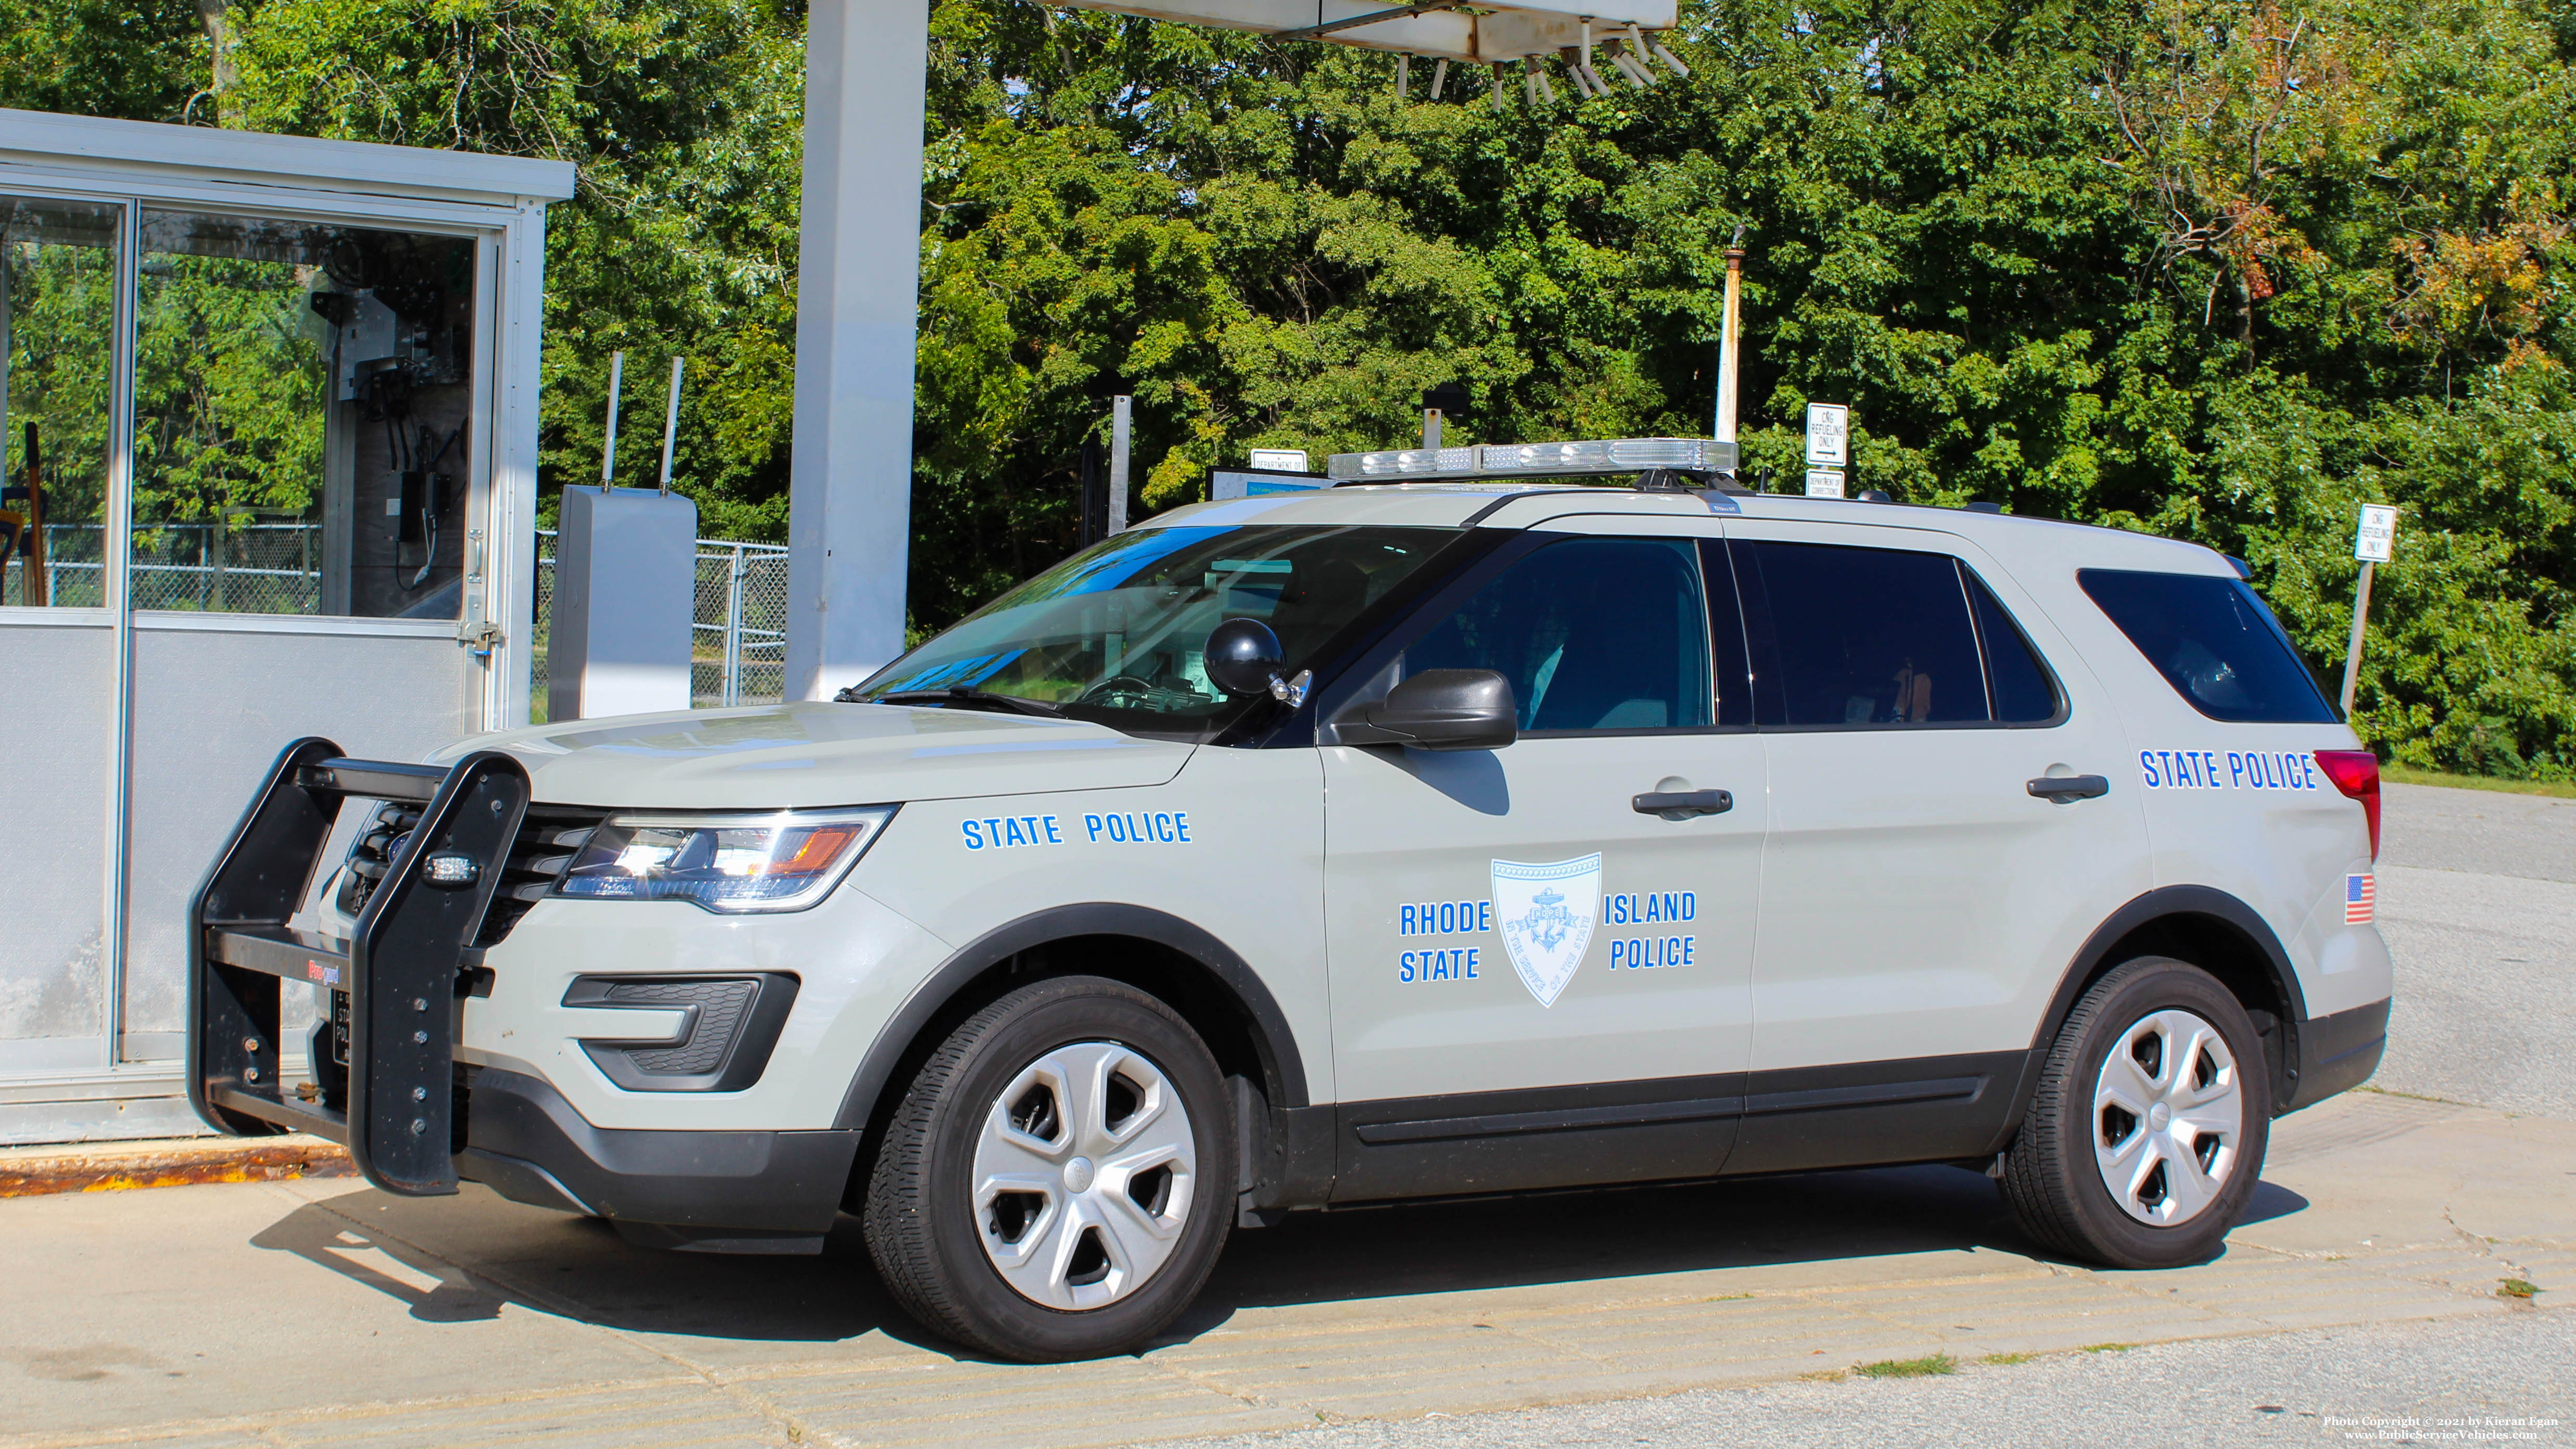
[460, 1259]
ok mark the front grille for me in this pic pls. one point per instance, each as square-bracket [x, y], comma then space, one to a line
[374, 852]
[545, 845]
[547, 841]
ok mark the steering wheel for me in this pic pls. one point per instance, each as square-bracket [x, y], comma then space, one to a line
[1123, 691]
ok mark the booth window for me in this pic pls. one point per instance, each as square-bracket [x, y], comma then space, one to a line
[57, 353]
[302, 425]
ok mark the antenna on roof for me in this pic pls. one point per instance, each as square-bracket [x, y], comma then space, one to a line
[608, 448]
[670, 427]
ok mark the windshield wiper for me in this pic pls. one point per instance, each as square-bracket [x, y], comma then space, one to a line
[968, 695]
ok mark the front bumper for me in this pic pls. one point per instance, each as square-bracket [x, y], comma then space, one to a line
[711, 1191]
[2337, 1053]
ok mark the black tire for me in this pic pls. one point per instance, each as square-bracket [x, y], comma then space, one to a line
[2056, 1189]
[921, 1218]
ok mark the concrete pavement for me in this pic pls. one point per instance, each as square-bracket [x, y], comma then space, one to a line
[309, 1312]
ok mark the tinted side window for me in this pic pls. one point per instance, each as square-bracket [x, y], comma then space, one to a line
[1593, 633]
[2214, 642]
[2017, 682]
[1859, 637]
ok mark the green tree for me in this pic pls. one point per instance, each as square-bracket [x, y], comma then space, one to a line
[2220, 269]
[138, 60]
[681, 119]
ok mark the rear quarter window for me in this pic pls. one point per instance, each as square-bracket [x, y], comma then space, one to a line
[2214, 642]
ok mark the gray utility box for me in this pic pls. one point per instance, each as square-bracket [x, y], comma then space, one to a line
[626, 569]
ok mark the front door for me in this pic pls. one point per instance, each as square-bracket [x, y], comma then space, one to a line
[1534, 980]
[1919, 902]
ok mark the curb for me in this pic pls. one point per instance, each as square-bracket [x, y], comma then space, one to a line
[168, 1162]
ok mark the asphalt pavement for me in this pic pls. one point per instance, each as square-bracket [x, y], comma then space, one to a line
[2491, 1381]
[2477, 899]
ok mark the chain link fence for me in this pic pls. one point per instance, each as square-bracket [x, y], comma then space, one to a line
[738, 651]
[259, 568]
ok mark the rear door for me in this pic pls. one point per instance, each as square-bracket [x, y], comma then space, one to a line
[1533, 981]
[1919, 902]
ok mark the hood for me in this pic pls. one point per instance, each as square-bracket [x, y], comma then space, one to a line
[819, 754]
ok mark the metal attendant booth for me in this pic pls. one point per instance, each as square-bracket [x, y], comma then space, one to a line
[270, 411]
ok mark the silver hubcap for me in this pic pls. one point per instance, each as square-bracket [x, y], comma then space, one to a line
[1083, 1176]
[2168, 1112]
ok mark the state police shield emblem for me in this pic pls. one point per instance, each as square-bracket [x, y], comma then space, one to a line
[1546, 914]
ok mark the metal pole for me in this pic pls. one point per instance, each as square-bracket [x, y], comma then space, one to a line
[608, 449]
[670, 427]
[1118, 421]
[1727, 363]
[1430, 429]
[733, 633]
[116, 550]
[2360, 623]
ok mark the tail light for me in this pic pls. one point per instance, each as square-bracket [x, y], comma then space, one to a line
[2356, 774]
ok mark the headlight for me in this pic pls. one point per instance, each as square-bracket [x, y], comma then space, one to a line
[783, 861]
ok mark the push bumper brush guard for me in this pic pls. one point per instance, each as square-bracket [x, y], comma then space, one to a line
[395, 1104]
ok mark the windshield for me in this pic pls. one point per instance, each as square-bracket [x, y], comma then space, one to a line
[1117, 634]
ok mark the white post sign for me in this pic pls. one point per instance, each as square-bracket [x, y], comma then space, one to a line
[2374, 543]
[1828, 435]
[1825, 483]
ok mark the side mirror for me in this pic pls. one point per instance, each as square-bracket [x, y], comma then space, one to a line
[1438, 709]
[1244, 657]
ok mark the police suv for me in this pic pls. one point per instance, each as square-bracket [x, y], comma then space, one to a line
[1464, 830]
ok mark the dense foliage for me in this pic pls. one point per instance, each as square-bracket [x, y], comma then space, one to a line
[2222, 269]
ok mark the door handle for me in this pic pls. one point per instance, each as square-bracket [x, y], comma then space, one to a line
[2066, 789]
[1683, 802]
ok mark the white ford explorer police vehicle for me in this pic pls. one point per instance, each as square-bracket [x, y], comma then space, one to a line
[1454, 836]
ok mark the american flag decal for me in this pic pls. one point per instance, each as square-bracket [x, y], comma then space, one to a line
[2360, 893]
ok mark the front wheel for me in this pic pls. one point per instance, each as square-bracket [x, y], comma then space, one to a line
[1055, 1182]
[2146, 1136]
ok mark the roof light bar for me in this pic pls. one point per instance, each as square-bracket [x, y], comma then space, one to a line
[1598, 455]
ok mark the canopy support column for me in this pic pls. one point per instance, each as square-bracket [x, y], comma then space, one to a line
[859, 250]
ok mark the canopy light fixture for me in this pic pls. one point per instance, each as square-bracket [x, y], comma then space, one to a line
[1489, 460]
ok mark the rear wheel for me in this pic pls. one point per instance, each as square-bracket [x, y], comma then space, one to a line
[2146, 1136]
[1055, 1182]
